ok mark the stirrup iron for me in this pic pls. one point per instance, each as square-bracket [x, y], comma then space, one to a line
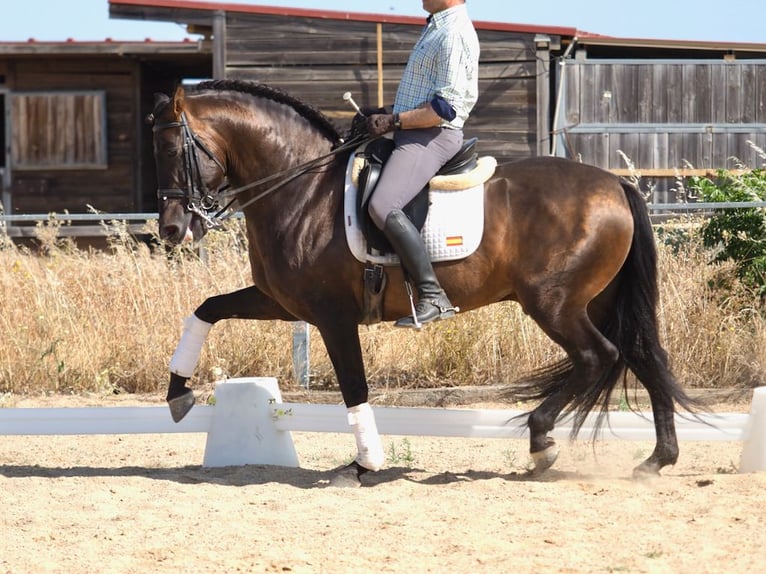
[408, 286]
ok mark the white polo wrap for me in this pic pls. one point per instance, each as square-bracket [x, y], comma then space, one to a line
[368, 443]
[187, 352]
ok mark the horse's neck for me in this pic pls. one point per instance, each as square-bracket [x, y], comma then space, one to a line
[296, 217]
[272, 142]
[297, 223]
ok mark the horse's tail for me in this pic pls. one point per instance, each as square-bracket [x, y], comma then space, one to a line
[631, 327]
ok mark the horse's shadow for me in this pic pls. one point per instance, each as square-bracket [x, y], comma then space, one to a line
[425, 477]
[228, 476]
[250, 475]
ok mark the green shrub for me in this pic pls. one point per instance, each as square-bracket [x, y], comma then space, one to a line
[737, 235]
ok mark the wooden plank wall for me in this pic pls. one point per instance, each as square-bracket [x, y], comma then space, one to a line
[666, 114]
[54, 130]
[110, 190]
[318, 60]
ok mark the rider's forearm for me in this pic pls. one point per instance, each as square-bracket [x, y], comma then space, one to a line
[422, 117]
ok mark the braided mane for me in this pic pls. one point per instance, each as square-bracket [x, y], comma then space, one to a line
[313, 115]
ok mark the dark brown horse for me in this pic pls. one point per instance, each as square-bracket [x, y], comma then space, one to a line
[571, 243]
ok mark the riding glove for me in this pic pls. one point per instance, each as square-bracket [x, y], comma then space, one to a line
[379, 124]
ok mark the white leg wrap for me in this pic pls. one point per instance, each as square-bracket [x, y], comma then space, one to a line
[368, 444]
[187, 353]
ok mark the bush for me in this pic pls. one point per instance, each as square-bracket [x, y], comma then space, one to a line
[737, 235]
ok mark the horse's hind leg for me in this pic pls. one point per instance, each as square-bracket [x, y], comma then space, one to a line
[666, 448]
[592, 358]
[651, 369]
[247, 303]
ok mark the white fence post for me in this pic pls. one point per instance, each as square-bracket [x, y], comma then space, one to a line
[301, 349]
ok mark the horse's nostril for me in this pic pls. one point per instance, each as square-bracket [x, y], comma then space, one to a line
[169, 231]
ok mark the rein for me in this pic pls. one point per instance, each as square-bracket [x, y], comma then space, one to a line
[207, 204]
[288, 175]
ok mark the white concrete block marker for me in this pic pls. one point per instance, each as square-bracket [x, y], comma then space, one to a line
[754, 449]
[242, 430]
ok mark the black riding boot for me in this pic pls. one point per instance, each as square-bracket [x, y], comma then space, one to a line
[406, 241]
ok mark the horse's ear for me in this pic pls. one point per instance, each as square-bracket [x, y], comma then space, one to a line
[178, 100]
[160, 100]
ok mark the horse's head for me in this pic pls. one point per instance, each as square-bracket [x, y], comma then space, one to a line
[189, 173]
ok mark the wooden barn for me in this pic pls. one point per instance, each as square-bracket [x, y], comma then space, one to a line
[72, 127]
[317, 55]
[669, 107]
[73, 111]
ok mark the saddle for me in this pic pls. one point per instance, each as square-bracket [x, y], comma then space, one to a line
[374, 157]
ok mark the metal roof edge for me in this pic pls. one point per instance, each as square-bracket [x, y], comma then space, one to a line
[324, 14]
[107, 46]
[585, 38]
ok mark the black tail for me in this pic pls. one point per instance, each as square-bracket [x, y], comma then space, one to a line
[631, 327]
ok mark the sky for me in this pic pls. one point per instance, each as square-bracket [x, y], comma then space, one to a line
[729, 21]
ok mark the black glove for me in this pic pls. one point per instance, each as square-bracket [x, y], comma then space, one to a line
[358, 126]
[379, 124]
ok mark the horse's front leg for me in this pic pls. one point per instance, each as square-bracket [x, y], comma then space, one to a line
[341, 339]
[247, 303]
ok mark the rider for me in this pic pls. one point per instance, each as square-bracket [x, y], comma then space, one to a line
[437, 92]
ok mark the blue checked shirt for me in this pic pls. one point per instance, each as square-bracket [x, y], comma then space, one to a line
[444, 62]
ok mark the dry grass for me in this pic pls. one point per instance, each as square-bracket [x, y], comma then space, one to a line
[108, 321]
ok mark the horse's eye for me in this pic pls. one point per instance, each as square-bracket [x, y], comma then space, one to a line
[172, 152]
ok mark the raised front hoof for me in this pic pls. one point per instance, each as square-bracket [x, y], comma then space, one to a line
[181, 405]
[542, 460]
[348, 476]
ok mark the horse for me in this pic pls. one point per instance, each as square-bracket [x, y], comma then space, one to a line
[571, 243]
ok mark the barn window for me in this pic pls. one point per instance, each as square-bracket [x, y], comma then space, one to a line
[58, 130]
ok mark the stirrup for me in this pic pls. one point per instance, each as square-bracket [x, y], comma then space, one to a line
[416, 321]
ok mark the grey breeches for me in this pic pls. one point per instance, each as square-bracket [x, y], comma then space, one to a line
[418, 155]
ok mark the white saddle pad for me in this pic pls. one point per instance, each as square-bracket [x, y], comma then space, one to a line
[453, 228]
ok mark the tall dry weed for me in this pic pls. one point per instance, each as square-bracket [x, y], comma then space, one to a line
[106, 321]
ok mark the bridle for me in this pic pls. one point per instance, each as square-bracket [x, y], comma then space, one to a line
[199, 198]
[206, 203]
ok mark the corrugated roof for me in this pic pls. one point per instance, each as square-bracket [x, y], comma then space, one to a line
[109, 45]
[174, 7]
[328, 14]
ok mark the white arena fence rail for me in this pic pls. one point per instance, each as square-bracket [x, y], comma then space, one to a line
[249, 424]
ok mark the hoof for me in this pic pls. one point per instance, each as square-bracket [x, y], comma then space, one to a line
[348, 476]
[646, 470]
[180, 406]
[544, 459]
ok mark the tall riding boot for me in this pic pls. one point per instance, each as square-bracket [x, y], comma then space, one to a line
[432, 300]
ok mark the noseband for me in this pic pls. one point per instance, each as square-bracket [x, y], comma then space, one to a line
[200, 199]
